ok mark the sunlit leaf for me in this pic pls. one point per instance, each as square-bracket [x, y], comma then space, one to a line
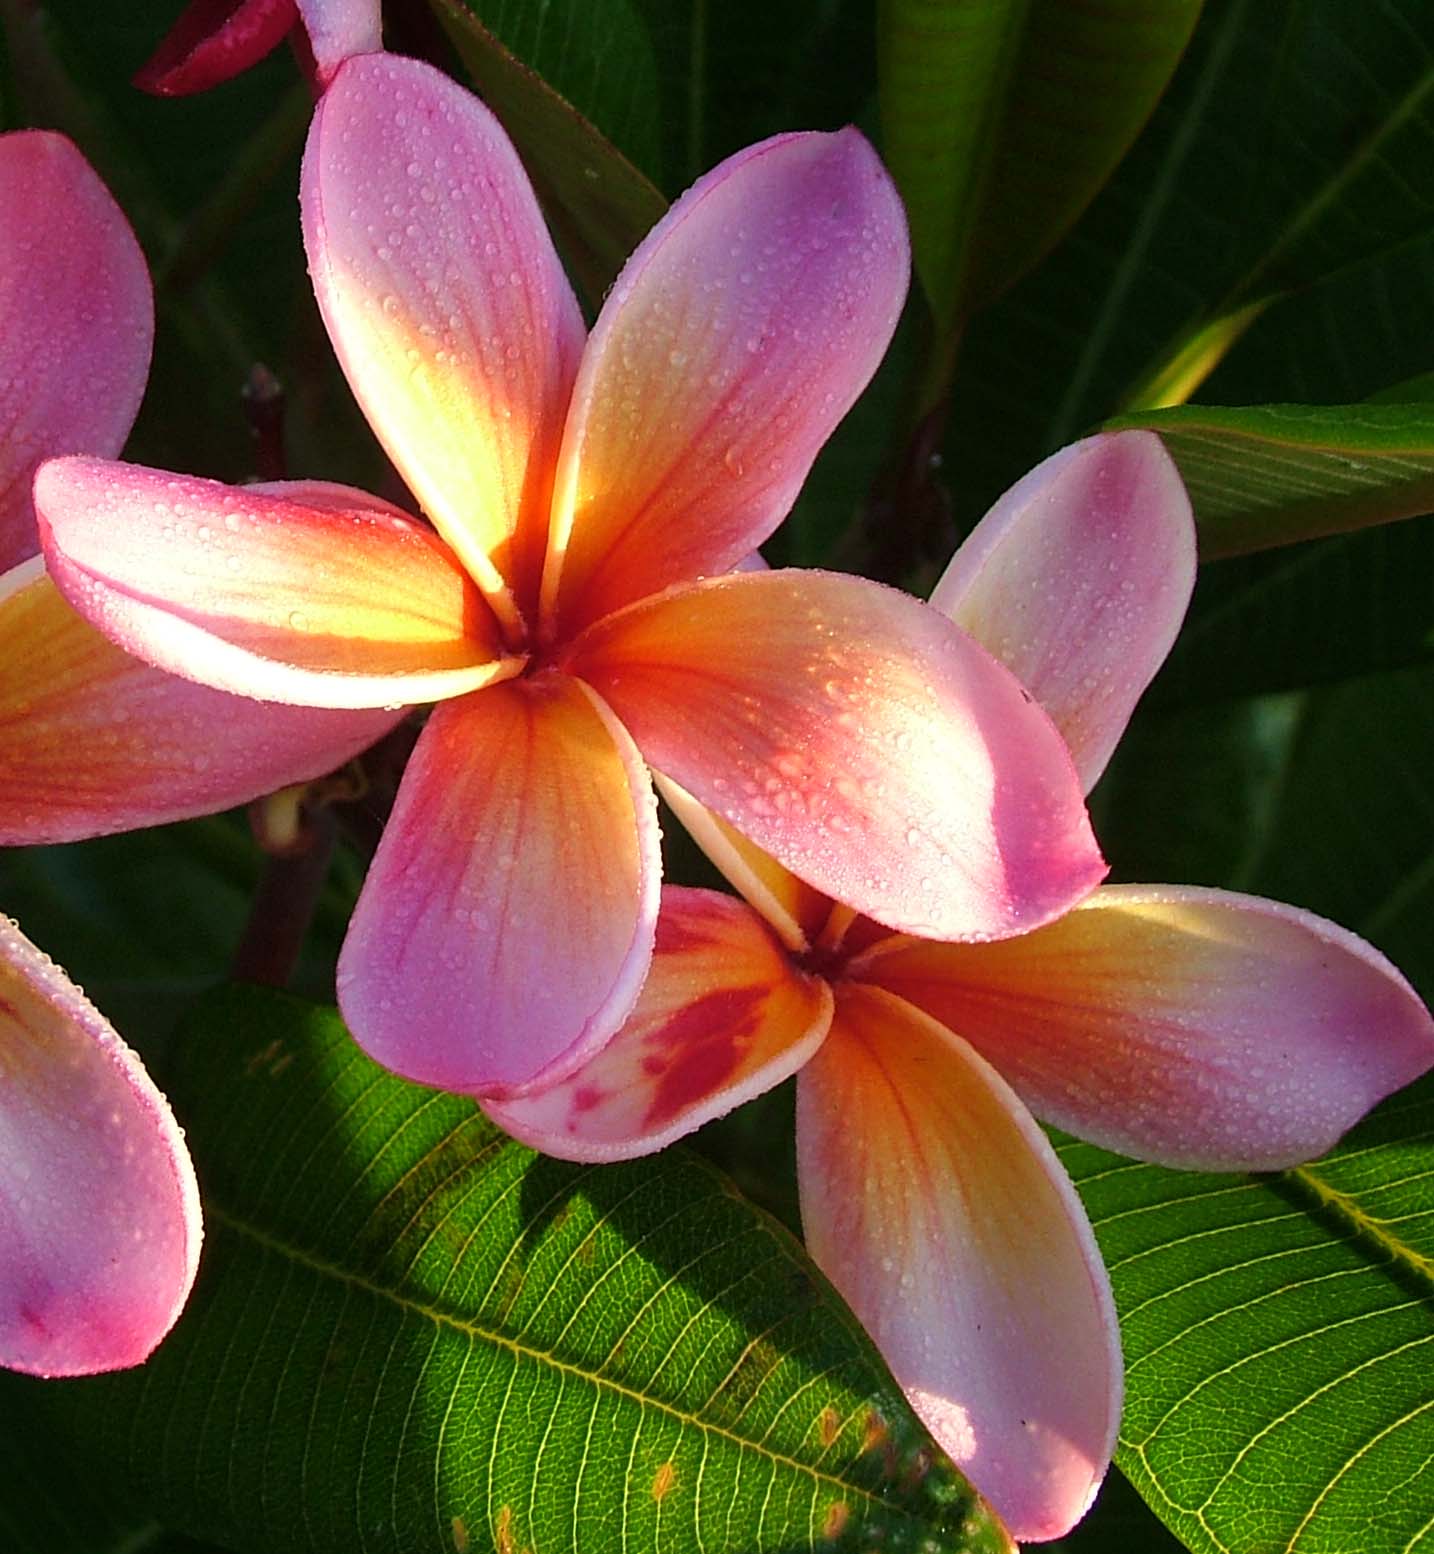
[1278, 1334]
[411, 1334]
[1279, 1330]
[1266, 475]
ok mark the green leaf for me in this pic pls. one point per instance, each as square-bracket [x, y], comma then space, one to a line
[1338, 341]
[598, 55]
[1339, 180]
[1118, 1522]
[1278, 1335]
[1279, 1330]
[1266, 475]
[1305, 616]
[1253, 186]
[736, 72]
[1001, 121]
[1353, 832]
[1191, 793]
[146, 920]
[1416, 390]
[599, 204]
[412, 1334]
[48, 1503]
[54, 1500]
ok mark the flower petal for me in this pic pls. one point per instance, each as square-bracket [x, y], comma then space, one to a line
[94, 741]
[723, 1016]
[99, 1210]
[445, 301]
[937, 1207]
[338, 29]
[795, 912]
[290, 601]
[75, 309]
[213, 41]
[738, 335]
[506, 924]
[859, 738]
[1077, 580]
[1187, 1026]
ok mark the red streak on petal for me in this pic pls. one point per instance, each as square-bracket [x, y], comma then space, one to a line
[706, 1039]
[680, 932]
[34, 1319]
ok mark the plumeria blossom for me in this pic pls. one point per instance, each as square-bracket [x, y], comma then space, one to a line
[570, 609]
[99, 1215]
[1191, 1027]
[215, 40]
[99, 1211]
[91, 739]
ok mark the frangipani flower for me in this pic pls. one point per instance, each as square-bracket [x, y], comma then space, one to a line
[570, 613]
[215, 40]
[99, 1215]
[1187, 1026]
[99, 1211]
[91, 739]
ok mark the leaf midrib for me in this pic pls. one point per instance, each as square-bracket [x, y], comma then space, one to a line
[1211, 421]
[216, 1214]
[1362, 1226]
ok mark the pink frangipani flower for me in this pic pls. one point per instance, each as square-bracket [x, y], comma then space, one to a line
[99, 1210]
[1191, 1027]
[569, 608]
[99, 1215]
[213, 41]
[91, 739]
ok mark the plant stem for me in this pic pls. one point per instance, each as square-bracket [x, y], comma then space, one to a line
[285, 902]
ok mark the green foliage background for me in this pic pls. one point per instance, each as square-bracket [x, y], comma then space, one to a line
[1240, 256]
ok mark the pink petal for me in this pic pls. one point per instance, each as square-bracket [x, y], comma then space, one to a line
[94, 741]
[338, 29]
[292, 601]
[213, 41]
[1188, 1026]
[506, 924]
[723, 1016]
[859, 738]
[99, 1210]
[445, 301]
[76, 321]
[1077, 580]
[796, 913]
[936, 1206]
[736, 338]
